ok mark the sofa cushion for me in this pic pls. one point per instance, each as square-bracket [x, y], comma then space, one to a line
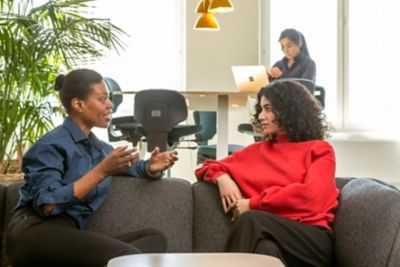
[342, 181]
[136, 203]
[367, 224]
[3, 190]
[11, 200]
[210, 225]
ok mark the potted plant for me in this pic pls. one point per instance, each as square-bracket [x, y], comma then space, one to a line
[37, 43]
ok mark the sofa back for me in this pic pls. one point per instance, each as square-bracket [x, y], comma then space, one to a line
[137, 203]
[366, 226]
[132, 204]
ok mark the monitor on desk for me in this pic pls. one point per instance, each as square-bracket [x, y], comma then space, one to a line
[250, 78]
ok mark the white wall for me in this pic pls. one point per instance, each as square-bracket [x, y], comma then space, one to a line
[210, 54]
[360, 155]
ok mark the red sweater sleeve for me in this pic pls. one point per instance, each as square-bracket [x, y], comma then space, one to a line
[212, 169]
[317, 193]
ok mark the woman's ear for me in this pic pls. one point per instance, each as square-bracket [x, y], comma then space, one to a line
[76, 105]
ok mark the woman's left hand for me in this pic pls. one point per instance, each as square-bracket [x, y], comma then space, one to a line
[160, 161]
[239, 207]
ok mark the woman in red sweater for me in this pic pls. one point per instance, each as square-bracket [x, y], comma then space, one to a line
[281, 191]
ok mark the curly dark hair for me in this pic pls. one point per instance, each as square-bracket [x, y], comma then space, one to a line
[297, 111]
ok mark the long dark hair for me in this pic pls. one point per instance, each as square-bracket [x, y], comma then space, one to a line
[76, 84]
[297, 111]
[296, 37]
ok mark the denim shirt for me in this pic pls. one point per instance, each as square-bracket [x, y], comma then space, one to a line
[56, 161]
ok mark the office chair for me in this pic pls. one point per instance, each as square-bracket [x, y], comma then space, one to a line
[208, 121]
[308, 84]
[247, 128]
[319, 94]
[159, 111]
[316, 90]
[121, 128]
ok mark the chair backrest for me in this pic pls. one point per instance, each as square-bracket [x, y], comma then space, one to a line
[158, 111]
[208, 121]
[114, 87]
[320, 94]
[116, 99]
[310, 85]
[316, 90]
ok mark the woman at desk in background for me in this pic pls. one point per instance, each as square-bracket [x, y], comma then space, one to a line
[297, 62]
[281, 191]
[67, 175]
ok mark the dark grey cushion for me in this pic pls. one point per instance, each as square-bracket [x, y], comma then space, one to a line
[367, 224]
[210, 225]
[3, 190]
[136, 203]
[10, 202]
[342, 181]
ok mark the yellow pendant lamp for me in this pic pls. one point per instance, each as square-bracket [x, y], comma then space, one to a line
[220, 6]
[206, 21]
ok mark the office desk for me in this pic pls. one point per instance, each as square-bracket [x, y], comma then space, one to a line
[220, 101]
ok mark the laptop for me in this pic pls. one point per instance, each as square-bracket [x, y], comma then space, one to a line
[250, 78]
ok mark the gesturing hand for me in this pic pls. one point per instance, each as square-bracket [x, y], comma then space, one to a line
[118, 160]
[228, 191]
[160, 161]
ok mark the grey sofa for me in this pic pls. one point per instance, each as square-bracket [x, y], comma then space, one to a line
[366, 228]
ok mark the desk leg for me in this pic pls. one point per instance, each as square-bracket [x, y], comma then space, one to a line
[222, 129]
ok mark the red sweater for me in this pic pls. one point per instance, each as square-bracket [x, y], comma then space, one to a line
[293, 179]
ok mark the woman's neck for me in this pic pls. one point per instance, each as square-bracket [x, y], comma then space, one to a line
[290, 62]
[81, 123]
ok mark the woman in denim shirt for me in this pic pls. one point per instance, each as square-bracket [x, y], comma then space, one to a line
[67, 175]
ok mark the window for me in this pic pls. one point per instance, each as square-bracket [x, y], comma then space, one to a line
[153, 57]
[368, 95]
[374, 91]
[317, 21]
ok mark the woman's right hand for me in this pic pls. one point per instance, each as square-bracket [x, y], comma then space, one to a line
[118, 160]
[274, 72]
[229, 192]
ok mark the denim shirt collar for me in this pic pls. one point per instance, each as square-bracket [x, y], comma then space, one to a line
[77, 134]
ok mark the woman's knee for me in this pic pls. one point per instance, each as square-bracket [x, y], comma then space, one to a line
[251, 217]
[146, 240]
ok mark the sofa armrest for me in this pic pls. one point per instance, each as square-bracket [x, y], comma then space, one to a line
[210, 225]
[366, 227]
[137, 203]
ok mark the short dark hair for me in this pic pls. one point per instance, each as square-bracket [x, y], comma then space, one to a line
[297, 111]
[76, 84]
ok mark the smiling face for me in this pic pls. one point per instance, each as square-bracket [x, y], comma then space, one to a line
[95, 110]
[289, 48]
[267, 118]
